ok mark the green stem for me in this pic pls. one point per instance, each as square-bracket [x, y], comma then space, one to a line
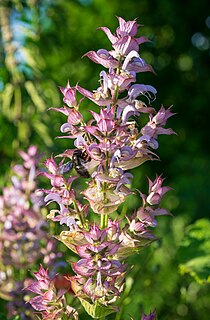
[116, 93]
[104, 221]
[104, 217]
[81, 218]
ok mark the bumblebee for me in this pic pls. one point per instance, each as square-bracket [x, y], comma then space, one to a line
[78, 162]
[80, 159]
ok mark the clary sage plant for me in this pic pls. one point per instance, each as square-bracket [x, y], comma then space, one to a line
[105, 149]
[24, 235]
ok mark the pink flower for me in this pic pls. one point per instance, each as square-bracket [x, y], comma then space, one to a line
[98, 272]
[124, 42]
[96, 98]
[105, 121]
[127, 27]
[74, 116]
[49, 301]
[154, 127]
[156, 191]
[102, 57]
[104, 203]
[69, 95]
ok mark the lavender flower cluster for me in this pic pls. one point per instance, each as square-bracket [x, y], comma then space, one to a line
[24, 239]
[106, 147]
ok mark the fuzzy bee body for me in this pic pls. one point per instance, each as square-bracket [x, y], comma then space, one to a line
[79, 160]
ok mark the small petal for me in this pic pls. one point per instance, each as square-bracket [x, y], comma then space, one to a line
[37, 303]
[139, 89]
[102, 57]
[83, 267]
[127, 27]
[126, 44]
[51, 165]
[110, 36]
[151, 316]
[92, 97]
[128, 112]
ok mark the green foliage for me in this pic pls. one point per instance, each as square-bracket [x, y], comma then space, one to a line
[194, 251]
[96, 310]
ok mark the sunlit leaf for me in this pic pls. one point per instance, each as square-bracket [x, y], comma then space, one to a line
[23, 131]
[6, 97]
[31, 58]
[43, 132]
[194, 251]
[97, 310]
[35, 97]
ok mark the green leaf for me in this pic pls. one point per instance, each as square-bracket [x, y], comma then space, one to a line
[6, 97]
[16, 318]
[43, 131]
[35, 97]
[194, 251]
[70, 239]
[23, 131]
[31, 57]
[97, 310]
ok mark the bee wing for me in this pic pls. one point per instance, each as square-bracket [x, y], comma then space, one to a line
[66, 167]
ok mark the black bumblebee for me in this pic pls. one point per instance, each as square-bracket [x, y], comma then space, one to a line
[79, 161]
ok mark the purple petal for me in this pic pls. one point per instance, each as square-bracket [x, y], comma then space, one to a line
[161, 212]
[102, 57]
[138, 89]
[137, 65]
[151, 316]
[129, 57]
[66, 127]
[53, 197]
[110, 36]
[51, 165]
[63, 110]
[82, 268]
[90, 95]
[125, 45]
[37, 303]
[35, 287]
[128, 112]
[127, 27]
[142, 39]
[83, 251]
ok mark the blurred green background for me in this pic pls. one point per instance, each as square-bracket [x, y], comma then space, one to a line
[41, 46]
